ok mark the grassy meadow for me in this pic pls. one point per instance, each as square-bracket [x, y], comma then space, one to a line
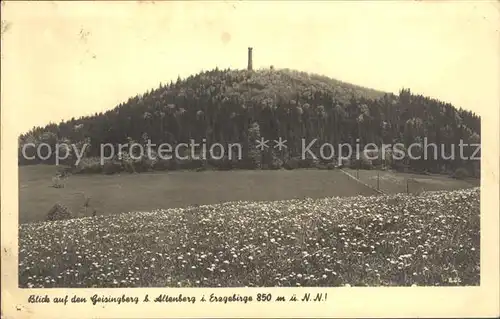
[394, 183]
[248, 228]
[392, 240]
[111, 194]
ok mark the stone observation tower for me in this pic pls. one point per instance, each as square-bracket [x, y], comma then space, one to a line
[249, 59]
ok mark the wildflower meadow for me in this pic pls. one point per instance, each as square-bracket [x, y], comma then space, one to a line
[392, 240]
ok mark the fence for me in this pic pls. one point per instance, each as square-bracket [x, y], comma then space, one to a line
[386, 182]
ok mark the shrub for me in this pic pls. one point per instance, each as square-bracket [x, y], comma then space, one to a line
[354, 164]
[331, 166]
[89, 165]
[190, 163]
[57, 182]
[320, 166]
[59, 212]
[254, 159]
[143, 164]
[164, 164]
[248, 163]
[223, 164]
[345, 162]
[112, 167]
[400, 166]
[366, 163]
[377, 162]
[460, 173]
[308, 163]
[292, 163]
[128, 166]
[362, 163]
[64, 171]
[276, 163]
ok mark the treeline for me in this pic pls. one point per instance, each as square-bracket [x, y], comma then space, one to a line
[239, 106]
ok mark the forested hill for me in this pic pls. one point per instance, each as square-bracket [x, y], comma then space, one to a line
[229, 106]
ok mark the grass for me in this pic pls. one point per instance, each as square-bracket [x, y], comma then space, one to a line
[394, 182]
[110, 194]
[426, 240]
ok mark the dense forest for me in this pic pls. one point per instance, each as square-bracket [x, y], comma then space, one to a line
[241, 106]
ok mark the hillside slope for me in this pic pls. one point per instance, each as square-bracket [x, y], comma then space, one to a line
[239, 106]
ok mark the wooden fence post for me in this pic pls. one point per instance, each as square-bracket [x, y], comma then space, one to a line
[378, 180]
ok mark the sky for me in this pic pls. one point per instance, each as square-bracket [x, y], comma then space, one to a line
[64, 59]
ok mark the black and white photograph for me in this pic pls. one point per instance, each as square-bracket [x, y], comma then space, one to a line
[240, 144]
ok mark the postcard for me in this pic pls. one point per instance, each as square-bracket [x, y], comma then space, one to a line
[250, 159]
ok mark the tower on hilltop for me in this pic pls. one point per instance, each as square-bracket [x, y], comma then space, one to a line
[250, 62]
